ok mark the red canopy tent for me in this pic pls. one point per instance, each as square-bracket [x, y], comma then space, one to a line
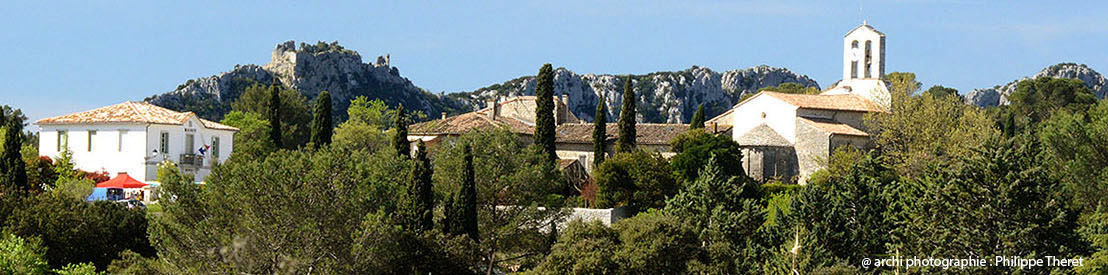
[122, 181]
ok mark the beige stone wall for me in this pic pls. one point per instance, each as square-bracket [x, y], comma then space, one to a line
[812, 150]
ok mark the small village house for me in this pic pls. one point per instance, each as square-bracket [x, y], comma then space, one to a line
[133, 137]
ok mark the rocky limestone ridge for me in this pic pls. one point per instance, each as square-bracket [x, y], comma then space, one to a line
[669, 97]
[998, 95]
[310, 69]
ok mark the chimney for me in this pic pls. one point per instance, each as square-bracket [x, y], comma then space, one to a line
[560, 109]
[494, 109]
[443, 115]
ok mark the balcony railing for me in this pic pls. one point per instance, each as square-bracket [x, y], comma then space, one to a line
[192, 160]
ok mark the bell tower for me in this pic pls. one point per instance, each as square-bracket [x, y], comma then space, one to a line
[863, 54]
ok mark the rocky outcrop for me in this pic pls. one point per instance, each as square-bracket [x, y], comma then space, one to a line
[309, 69]
[998, 95]
[670, 97]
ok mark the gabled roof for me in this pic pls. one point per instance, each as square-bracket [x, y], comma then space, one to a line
[864, 26]
[841, 102]
[645, 133]
[763, 135]
[131, 112]
[833, 127]
[459, 124]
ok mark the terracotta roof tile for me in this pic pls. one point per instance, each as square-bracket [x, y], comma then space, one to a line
[833, 127]
[130, 112]
[459, 124]
[842, 102]
[646, 133]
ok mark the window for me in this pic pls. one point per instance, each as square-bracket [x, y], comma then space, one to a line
[869, 57]
[853, 69]
[119, 147]
[63, 140]
[189, 142]
[91, 135]
[769, 164]
[164, 148]
[215, 147]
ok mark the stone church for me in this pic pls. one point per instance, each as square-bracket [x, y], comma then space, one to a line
[787, 137]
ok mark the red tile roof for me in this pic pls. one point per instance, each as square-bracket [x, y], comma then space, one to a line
[645, 133]
[459, 124]
[833, 127]
[131, 112]
[828, 102]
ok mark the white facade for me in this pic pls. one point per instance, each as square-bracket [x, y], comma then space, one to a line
[136, 148]
[764, 109]
[864, 65]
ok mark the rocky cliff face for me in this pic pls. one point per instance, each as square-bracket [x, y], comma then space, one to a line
[309, 69]
[998, 95]
[669, 97]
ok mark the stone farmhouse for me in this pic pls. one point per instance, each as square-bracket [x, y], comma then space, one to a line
[573, 140]
[789, 136]
[133, 137]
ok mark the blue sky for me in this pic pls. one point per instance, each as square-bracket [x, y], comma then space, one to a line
[59, 58]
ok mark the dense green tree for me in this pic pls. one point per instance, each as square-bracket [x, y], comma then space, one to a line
[940, 91]
[13, 170]
[726, 213]
[922, 130]
[383, 246]
[467, 198]
[322, 127]
[22, 256]
[697, 121]
[656, 243]
[627, 135]
[1036, 99]
[599, 134]
[1076, 147]
[75, 231]
[251, 141]
[584, 248]
[400, 137]
[274, 116]
[695, 147]
[294, 113]
[290, 212]
[365, 128]
[516, 194]
[640, 180]
[843, 219]
[1000, 202]
[544, 112]
[421, 196]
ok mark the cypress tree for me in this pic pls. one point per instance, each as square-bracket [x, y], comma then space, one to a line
[275, 116]
[599, 134]
[697, 118]
[450, 216]
[626, 141]
[322, 127]
[544, 112]
[12, 167]
[421, 189]
[467, 198]
[400, 140]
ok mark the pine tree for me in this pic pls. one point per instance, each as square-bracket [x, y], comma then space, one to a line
[275, 116]
[322, 127]
[544, 112]
[697, 118]
[422, 193]
[400, 140]
[626, 141]
[599, 134]
[467, 198]
[13, 171]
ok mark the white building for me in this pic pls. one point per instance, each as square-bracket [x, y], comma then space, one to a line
[133, 137]
[789, 136]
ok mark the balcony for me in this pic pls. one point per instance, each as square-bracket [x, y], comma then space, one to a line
[192, 160]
